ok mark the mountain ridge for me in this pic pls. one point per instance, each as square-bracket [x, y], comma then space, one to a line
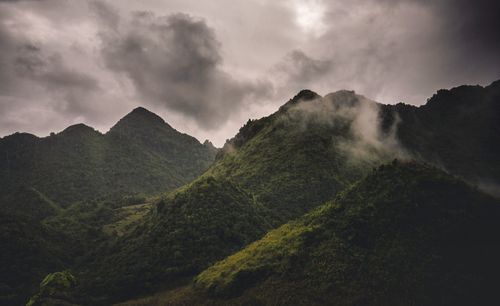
[140, 138]
[456, 130]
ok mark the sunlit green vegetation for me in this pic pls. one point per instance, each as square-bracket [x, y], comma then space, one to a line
[407, 234]
[55, 289]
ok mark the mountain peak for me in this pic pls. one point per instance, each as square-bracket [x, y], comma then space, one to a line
[139, 118]
[145, 114]
[305, 95]
[341, 94]
[494, 84]
[78, 129]
[346, 98]
[141, 109]
[208, 143]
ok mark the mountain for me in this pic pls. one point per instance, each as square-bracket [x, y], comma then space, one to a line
[59, 192]
[457, 130]
[407, 234]
[276, 168]
[285, 164]
[306, 152]
[141, 154]
[314, 147]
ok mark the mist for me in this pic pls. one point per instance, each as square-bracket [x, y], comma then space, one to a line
[356, 123]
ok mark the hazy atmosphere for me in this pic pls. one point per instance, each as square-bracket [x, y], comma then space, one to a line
[208, 66]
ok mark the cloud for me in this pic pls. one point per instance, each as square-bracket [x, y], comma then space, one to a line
[356, 122]
[175, 61]
[402, 50]
[298, 71]
[474, 26]
[470, 26]
[38, 84]
[50, 71]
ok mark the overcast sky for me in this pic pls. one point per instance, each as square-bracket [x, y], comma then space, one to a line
[207, 67]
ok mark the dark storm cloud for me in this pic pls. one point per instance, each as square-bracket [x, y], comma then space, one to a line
[476, 25]
[470, 36]
[175, 61]
[41, 82]
[300, 70]
[25, 64]
[51, 72]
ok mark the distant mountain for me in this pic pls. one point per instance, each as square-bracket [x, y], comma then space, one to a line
[58, 191]
[141, 154]
[407, 234]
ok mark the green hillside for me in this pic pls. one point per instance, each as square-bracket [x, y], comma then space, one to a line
[29, 202]
[141, 154]
[407, 234]
[187, 230]
[275, 169]
[61, 194]
[302, 155]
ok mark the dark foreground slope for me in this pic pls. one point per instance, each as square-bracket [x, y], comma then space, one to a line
[141, 154]
[407, 234]
[29, 250]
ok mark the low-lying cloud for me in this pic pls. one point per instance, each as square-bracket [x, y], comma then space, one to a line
[357, 123]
